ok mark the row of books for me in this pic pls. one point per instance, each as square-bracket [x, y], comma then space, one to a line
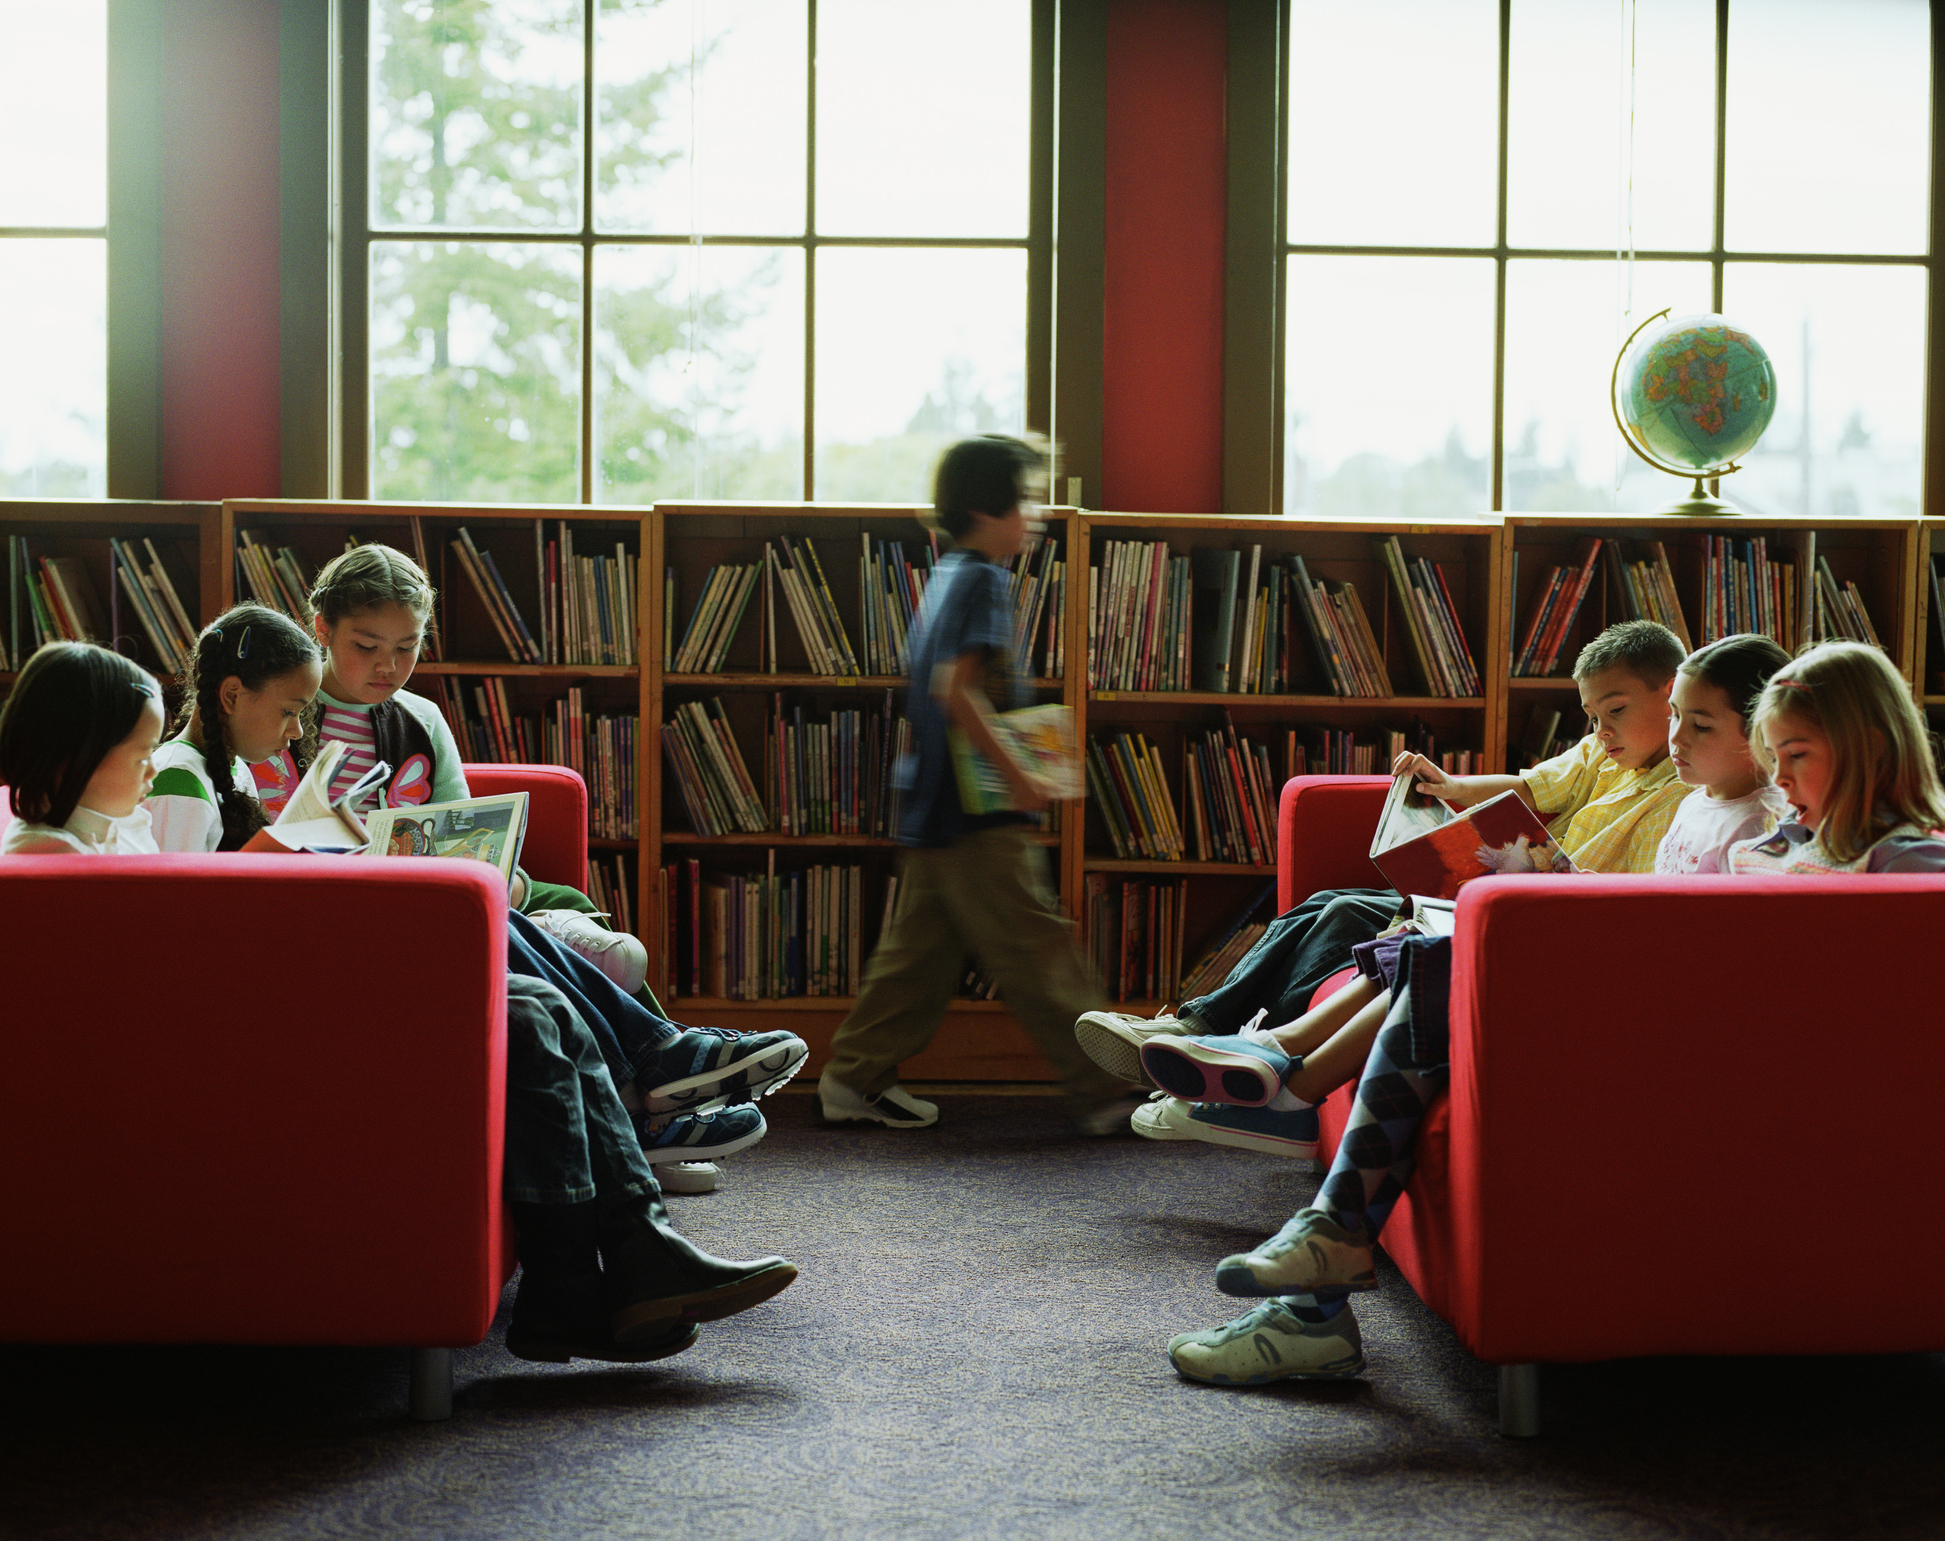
[273, 576]
[588, 607]
[1139, 621]
[1038, 579]
[1232, 797]
[55, 596]
[714, 621]
[1243, 931]
[1644, 588]
[834, 777]
[1840, 613]
[1134, 935]
[709, 771]
[157, 605]
[612, 888]
[1126, 781]
[1341, 752]
[604, 748]
[766, 935]
[1338, 632]
[1438, 639]
[1555, 606]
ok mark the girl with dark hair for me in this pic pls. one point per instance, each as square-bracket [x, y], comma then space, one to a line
[1716, 689]
[77, 741]
[245, 688]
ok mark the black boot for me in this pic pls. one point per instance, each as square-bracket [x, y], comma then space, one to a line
[661, 1279]
[561, 1311]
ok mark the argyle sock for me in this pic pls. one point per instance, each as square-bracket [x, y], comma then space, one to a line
[1375, 1158]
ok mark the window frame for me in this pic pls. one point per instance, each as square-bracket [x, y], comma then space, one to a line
[349, 460]
[1258, 302]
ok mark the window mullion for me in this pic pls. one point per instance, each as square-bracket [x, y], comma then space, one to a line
[1498, 473]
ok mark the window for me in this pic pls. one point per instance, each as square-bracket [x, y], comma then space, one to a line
[54, 249]
[794, 264]
[1455, 291]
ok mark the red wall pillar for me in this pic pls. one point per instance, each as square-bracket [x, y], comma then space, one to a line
[218, 219]
[1161, 387]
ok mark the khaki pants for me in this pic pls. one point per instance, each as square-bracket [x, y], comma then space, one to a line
[985, 894]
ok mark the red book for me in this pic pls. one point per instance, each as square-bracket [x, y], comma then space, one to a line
[1423, 847]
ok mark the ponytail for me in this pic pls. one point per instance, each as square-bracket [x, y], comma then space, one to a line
[255, 645]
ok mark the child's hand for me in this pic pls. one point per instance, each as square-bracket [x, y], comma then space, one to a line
[1427, 778]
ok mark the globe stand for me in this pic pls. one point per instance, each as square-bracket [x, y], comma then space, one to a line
[1698, 502]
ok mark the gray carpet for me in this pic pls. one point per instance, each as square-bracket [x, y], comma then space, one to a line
[974, 1350]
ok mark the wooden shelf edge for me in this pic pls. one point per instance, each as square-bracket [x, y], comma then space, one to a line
[1234, 698]
[1187, 869]
[552, 671]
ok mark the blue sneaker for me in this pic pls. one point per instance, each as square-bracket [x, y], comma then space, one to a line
[700, 1136]
[1245, 1072]
[1276, 1133]
[706, 1067]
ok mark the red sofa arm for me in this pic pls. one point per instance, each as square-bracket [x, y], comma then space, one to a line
[1675, 1101]
[1324, 826]
[557, 817]
[252, 1099]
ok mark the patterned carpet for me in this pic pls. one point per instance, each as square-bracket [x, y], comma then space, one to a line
[974, 1350]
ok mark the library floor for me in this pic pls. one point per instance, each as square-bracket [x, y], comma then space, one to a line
[974, 1350]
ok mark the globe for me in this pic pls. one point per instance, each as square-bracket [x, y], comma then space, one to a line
[1691, 396]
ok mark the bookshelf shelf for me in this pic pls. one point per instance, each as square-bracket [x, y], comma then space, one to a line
[538, 671]
[1289, 703]
[1186, 869]
[1491, 569]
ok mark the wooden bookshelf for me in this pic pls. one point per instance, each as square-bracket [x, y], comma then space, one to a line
[1887, 559]
[187, 538]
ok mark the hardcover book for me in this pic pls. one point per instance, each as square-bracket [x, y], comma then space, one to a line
[488, 829]
[1424, 847]
[1040, 738]
[311, 819]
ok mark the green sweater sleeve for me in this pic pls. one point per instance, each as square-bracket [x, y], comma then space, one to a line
[448, 780]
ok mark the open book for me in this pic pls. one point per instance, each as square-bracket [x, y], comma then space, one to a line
[1424, 847]
[313, 820]
[1041, 741]
[488, 829]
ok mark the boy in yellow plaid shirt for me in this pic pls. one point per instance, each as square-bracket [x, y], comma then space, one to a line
[1606, 802]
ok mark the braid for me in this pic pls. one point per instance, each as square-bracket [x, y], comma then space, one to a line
[241, 813]
[253, 645]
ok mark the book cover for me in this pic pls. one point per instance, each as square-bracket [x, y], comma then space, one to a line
[1214, 575]
[1424, 847]
[311, 819]
[1041, 741]
[488, 829]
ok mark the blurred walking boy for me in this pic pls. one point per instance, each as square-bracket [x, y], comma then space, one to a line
[968, 882]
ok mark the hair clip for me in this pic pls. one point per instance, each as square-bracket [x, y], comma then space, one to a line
[1793, 684]
[243, 645]
[143, 686]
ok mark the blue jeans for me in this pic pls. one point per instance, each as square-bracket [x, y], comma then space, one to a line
[1303, 947]
[568, 1138]
[626, 1031]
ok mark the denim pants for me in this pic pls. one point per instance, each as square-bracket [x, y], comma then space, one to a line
[568, 1138]
[626, 1031]
[1303, 947]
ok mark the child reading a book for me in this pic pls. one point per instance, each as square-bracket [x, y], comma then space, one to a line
[967, 882]
[247, 683]
[1606, 803]
[1839, 717]
[1849, 751]
[370, 609]
[1716, 690]
[77, 745]
[250, 677]
[605, 1274]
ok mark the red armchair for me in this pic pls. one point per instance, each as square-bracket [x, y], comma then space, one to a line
[256, 1099]
[1672, 1100]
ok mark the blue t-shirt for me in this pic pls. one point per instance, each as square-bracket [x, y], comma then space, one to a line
[968, 609]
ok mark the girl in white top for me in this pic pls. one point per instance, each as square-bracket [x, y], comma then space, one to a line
[77, 740]
[249, 679]
[1716, 689]
[1848, 749]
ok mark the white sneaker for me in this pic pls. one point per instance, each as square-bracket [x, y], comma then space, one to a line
[894, 1107]
[617, 954]
[689, 1176]
[1268, 1344]
[1113, 1040]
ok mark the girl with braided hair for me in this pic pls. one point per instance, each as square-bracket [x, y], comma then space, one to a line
[246, 685]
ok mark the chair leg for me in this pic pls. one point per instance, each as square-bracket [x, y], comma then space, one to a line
[1519, 1400]
[430, 1399]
